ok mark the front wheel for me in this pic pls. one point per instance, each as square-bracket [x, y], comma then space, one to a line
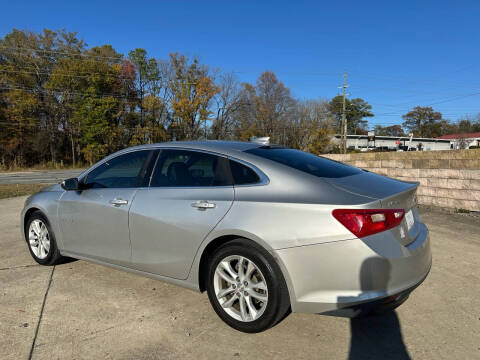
[246, 287]
[41, 240]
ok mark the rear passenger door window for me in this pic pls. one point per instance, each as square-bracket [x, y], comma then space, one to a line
[184, 168]
[243, 175]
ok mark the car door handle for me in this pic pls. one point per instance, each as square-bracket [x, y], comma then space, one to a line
[203, 205]
[118, 202]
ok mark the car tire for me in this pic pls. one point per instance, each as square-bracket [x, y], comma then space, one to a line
[263, 290]
[43, 248]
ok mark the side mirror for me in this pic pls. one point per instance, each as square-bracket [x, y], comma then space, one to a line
[70, 184]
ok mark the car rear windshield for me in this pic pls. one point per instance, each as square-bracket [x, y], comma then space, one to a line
[306, 162]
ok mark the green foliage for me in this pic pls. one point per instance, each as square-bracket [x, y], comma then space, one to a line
[423, 122]
[356, 110]
[467, 125]
[321, 141]
[96, 116]
[192, 90]
[62, 102]
[394, 130]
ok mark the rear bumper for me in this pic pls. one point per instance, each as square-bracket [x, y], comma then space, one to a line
[379, 305]
[342, 277]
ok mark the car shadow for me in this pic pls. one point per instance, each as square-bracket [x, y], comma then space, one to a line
[376, 336]
[66, 260]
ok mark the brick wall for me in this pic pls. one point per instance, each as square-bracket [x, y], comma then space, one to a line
[448, 179]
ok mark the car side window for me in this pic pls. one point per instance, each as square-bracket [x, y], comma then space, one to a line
[243, 175]
[185, 168]
[123, 171]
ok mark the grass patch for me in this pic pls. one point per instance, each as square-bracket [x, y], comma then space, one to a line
[12, 190]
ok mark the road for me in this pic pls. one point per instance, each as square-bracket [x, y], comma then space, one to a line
[87, 311]
[37, 176]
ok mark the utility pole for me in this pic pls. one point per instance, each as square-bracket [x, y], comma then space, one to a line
[344, 118]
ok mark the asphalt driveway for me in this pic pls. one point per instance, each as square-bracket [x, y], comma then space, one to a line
[37, 176]
[79, 310]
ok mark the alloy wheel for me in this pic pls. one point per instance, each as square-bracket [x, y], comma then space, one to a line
[240, 288]
[39, 239]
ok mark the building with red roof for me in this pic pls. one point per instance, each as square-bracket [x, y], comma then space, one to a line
[462, 141]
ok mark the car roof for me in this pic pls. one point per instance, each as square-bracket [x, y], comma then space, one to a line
[220, 146]
[235, 149]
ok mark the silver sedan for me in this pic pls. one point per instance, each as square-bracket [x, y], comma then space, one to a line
[263, 229]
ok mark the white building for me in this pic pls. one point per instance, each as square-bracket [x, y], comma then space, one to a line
[462, 141]
[364, 143]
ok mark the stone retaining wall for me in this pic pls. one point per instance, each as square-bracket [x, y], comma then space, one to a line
[448, 179]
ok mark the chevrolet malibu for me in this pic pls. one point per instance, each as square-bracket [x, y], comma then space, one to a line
[263, 229]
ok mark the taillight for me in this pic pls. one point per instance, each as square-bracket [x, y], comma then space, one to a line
[368, 222]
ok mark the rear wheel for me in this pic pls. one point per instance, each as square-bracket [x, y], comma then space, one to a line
[41, 240]
[246, 287]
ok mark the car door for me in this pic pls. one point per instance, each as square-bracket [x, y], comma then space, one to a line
[94, 221]
[189, 193]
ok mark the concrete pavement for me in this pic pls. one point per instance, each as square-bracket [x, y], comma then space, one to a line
[79, 310]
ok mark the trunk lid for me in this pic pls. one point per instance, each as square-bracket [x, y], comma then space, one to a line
[372, 185]
[393, 194]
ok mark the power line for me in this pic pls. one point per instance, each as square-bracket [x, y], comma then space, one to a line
[69, 92]
[77, 74]
[53, 73]
[120, 76]
[439, 102]
[120, 58]
[21, 50]
[403, 79]
[397, 89]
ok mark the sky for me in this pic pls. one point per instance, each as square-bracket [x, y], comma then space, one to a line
[397, 54]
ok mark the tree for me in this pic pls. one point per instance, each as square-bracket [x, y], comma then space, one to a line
[27, 62]
[265, 109]
[393, 130]
[61, 101]
[161, 85]
[228, 102]
[147, 74]
[462, 143]
[268, 109]
[312, 127]
[192, 90]
[94, 114]
[356, 110]
[244, 118]
[467, 125]
[154, 109]
[274, 105]
[423, 122]
[78, 82]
